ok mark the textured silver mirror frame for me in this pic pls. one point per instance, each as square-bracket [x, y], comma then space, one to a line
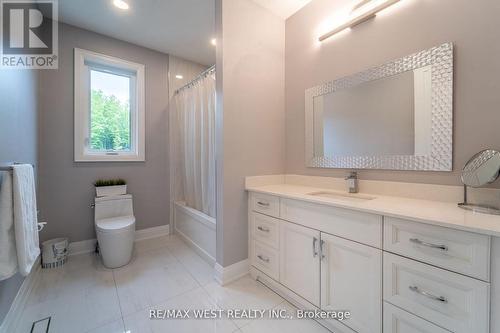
[441, 156]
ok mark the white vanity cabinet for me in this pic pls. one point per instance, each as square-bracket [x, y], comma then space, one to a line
[316, 266]
[400, 321]
[455, 250]
[300, 261]
[393, 275]
[351, 279]
[453, 301]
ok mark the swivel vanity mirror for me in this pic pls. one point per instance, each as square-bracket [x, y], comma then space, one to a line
[483, 168]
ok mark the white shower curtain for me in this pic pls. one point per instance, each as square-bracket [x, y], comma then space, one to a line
[193, 144]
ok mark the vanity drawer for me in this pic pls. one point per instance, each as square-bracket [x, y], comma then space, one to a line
[265, 204]
[400, 321]
[455, 250]
[361, 227]
[455, 302]
[266, 259]
[265, 229]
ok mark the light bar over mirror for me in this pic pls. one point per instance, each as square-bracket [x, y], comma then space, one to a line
[363, 11]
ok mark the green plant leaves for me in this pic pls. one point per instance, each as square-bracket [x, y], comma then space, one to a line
[109, 182]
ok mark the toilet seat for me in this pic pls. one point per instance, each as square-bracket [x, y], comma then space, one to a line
[115, 224]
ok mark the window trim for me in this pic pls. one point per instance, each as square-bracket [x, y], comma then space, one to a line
[82, 109]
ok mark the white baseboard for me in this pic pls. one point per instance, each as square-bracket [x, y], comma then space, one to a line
[81, 247]
[148, 233]
[88, 246]
[196, 248]
[16, 309]
[225, 275]
[296, 300]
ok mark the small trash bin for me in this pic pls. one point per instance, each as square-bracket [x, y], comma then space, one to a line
[54, 252]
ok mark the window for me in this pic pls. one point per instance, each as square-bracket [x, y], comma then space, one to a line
[109, 108]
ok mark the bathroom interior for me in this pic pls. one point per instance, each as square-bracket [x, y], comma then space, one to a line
[250, 166]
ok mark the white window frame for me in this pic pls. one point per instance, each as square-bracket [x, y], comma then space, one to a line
[82, 107]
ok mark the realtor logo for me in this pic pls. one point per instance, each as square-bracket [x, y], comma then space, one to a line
[29, 34]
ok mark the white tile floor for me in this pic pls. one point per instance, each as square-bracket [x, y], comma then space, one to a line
[84, 296]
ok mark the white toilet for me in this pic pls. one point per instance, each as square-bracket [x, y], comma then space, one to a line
[115, 229]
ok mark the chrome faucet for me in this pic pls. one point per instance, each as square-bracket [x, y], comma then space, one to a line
[352, 182]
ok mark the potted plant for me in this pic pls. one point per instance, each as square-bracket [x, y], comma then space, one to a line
[110, 187]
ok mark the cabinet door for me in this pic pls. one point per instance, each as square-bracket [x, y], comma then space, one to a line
[400, 321]
[299, 260]
[351, 279]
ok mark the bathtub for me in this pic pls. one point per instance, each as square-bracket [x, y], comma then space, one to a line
[197, 229]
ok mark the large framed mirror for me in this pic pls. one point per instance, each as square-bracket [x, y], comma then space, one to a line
[398, 116]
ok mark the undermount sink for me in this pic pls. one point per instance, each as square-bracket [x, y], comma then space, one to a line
[342, 196]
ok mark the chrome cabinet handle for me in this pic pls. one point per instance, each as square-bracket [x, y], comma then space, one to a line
[315, 252]
[263, 258]
[428, 295]
[263, 204]
[263, 229]
[321, 243]
[433, 246]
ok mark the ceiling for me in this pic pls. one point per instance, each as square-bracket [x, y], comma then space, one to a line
[283, 8]
[182, 28]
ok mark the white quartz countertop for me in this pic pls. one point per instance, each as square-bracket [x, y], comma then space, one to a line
[444, 214]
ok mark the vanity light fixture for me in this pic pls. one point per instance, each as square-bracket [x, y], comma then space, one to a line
[213, 41]
[363, 11]
[178, 76]
[121, 4]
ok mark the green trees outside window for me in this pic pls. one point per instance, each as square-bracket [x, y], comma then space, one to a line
[109, 122]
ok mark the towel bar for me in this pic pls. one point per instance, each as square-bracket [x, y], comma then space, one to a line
[10, 167]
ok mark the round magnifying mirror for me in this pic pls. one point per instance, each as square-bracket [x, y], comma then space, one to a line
[483, 168]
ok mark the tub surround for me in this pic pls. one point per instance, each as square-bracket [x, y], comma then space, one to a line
[197, 229]
[407, 201]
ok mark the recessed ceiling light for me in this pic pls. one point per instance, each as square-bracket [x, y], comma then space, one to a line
[121, 4]
[213, 41]
[178, 76]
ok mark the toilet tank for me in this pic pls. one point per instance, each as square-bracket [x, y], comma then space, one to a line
[115, 206]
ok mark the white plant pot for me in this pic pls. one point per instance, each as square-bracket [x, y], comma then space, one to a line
[108, 191]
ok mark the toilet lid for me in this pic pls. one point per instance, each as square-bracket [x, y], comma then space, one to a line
[115, 223]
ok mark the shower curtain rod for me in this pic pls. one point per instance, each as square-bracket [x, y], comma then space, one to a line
[202, 75]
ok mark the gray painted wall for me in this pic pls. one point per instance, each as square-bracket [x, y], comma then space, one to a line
[66, 189]
[187, 69]
[18, 142]
[250, 114]
[408, 27]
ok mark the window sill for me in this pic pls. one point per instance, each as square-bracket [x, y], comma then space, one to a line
[110, 158]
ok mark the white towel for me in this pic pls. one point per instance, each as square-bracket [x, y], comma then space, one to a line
[25, 217]
[8, 256]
